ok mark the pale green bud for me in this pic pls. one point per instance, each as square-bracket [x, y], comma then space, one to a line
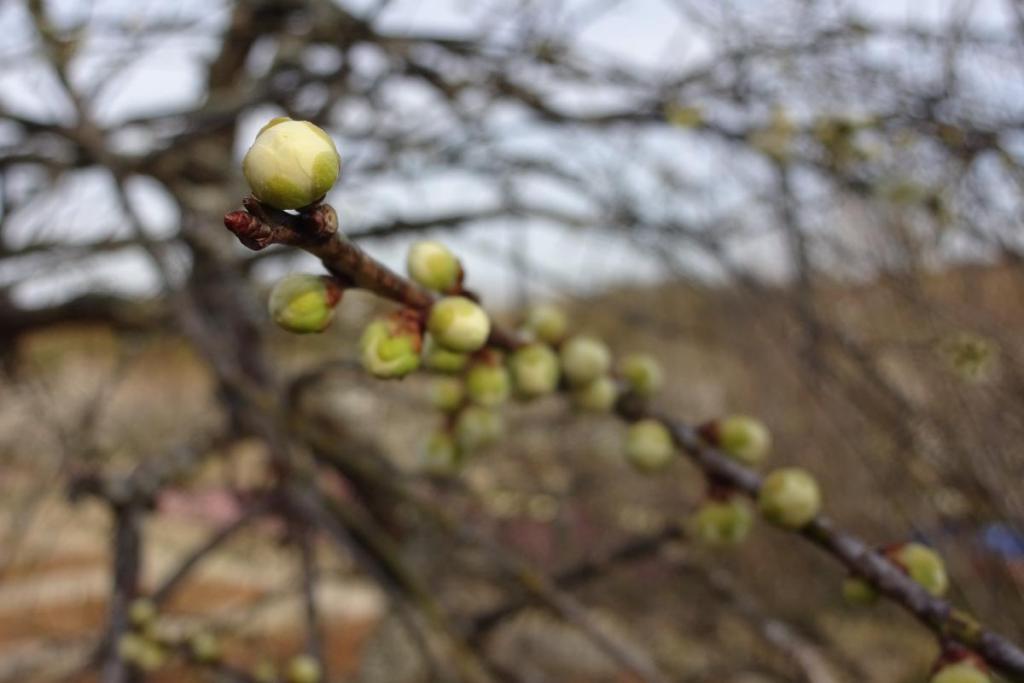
[440, 359]
[649, 445]
[584, 359]
[458, 324]
[723, 522]
[433, 265]
[141, 652]
[744, 438]
[302, 303]
[142, 612]
[487, 384]
[857, 591]
[961, 672]
[447, 394]
[303, 669]
[478, 427]
[548, 323]
[390, 348]
[534, 370]
[204, 647]
[291, 164]
[790, 497]
[642, 373]
[596, 397]
[440, 454]
[924, 566]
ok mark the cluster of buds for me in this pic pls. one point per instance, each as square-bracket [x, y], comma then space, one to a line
[148, 646]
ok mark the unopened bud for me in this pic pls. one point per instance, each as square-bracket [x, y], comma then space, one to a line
[487, 383]
[205, 647]
[458, 324]
[441, 359]
[857, 591]
[433, 265]
[291, 164]
[303, 669]
[447, 394]
[141, 652]
[649, 445]
[923, 565]
[390, 347]
[142, 612]
[967, 671]
[596, 397]
[642, 373]
[789, 497]
[534, 370]
[302, 303]
[723, 522]
[478, 427]
[440, 454]
[584, 359]
[548, 323]
[744, 438]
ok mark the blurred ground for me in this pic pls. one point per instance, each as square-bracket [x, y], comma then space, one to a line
[557, 491]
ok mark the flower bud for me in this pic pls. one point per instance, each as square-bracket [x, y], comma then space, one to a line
[390, 347]
[642, 373]
[142, 612]
[744, 438]
[204, 647]
[433, 265]
[790, 497]
[440, 454]
[440, 359]
[458, 324]
[596, 397]
[141, 652]
[548, 323]
[447, 394]
[303, 669]
[723, 522]
[966, 671]
[487, 383]
[291, 164]
[534, 370]
[584, 359]
[303, 303]
[649, 445]
[857, 591]
[923, 565]
[478, 427]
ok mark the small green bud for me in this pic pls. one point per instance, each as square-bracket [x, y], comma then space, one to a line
[204, 647]
[744, 438]
[649, 446]
[458, 324]
[303, 303]
[390, 348]
[478, 427]
[142, 612]
[584, 359]
[440, 454]
[303, 669]
[440, 359]
[924, 566]
[961, 672]
[141, 652]
[723, 522]
[447, 394]
[642, 373]
[857, 591]
[535, 370]
[433, 265]
[291, 164]
[487, 383]
[790, 497]
[548, 323]
[598, 396]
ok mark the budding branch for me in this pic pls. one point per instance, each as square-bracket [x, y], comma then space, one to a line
[315, 231]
